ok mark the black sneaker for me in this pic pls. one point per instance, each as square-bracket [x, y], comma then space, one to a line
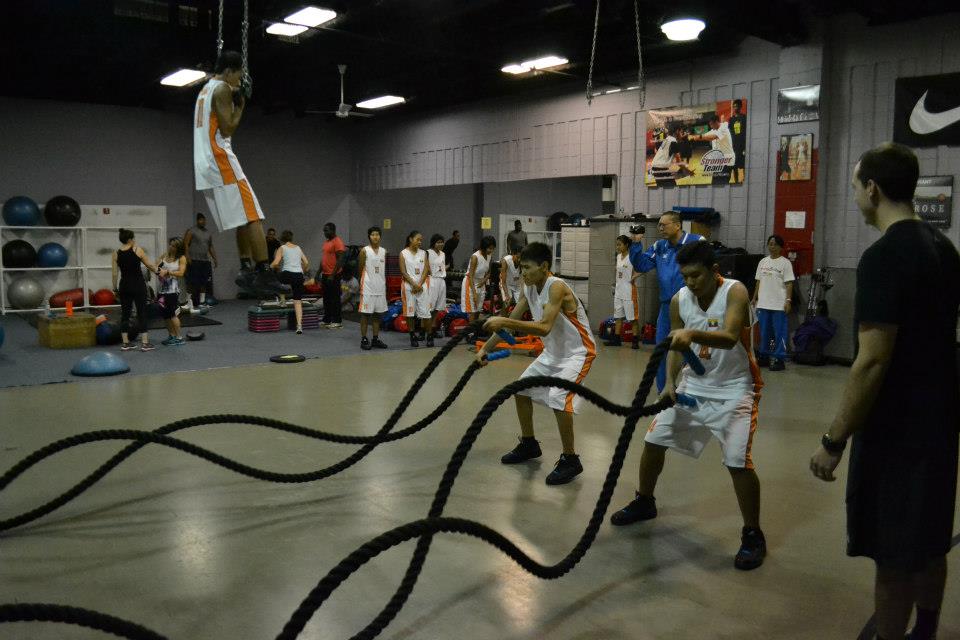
[378, 343]
[244, 278]
[636, 344]
[528, 449]
[613, 342]
[568, 467]
[365, 344]
[777, 365]
[753, 549]
[642, 508]
[430, 340]
[413, 340]
[763, 361]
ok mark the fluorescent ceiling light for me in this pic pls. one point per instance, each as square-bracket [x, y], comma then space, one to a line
[684, 29]
[545, 62]
[311, 16]
[282, 29]
[183, 77]
[613, 90]
[382, 101]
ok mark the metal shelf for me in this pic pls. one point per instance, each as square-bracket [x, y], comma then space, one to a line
[41, 268]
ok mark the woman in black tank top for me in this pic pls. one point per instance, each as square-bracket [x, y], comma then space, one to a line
[132, 289]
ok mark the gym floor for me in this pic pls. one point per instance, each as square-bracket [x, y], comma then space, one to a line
[194, 551]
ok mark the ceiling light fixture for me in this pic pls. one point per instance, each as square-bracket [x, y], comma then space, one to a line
[311, 17]
[683, 29]
[283, 29]
[379, 103]
[538, 64]
[183, 78]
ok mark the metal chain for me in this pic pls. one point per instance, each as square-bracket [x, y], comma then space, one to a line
[593, 53]
[220, 30]
[243, 41]
[641, 79]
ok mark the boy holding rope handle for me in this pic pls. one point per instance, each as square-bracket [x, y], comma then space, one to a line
[711, 316]
[569, 349]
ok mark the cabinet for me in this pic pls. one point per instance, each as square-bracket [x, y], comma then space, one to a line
[88, 267]
[575, 260]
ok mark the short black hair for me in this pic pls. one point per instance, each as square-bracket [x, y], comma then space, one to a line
[271, 229]
[486, 242]
[699, 252]
[200, 215]
[625, 240]
[714, 117]
[125, 235]
[673, 214]
[286, 235]
[435, 238]
[228, 59]
[456, 231]
[517, 223]
[374, 228]
[410, 236]
[738, 102]
[894, 168]
[777, 239]
[330, 226]
[538, 253]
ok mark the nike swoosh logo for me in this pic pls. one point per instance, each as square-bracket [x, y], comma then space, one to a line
[924, 122]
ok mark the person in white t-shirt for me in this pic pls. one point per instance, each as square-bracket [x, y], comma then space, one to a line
[711, 317]
[438, 280]
[510, 280]
[771, 297]
[373, 289]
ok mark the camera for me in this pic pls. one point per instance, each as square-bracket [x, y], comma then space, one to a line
[637, 229]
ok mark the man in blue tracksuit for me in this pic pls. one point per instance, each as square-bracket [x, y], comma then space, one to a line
[662, 256]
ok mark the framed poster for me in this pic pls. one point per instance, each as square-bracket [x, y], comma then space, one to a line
[793, 158]
[705, 144]
[798, 104]
[926, 111]
[933, 200]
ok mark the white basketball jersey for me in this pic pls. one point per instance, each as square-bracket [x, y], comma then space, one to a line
[624, 288]
[214, 163]
[513, 273]
[663, 157]
[729, 372]
[415, 263]
[373, 279]
[723, 143]
[438, 265]
[483, 267]
[570, 336]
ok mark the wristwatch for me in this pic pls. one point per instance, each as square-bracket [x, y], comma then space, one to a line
[833, 446]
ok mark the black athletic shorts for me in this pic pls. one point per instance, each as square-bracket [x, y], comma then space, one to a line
[199, 272]
[168, 304]
[741, 161]
[900, 499]
[295, 280]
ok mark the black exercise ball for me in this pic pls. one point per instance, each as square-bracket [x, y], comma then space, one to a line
[19, 254]
[557, 219]
[62, 211]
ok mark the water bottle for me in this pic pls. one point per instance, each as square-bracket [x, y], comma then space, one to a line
[46, 308]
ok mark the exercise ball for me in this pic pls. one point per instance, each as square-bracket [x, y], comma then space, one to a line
[102, 298]
[457, 327]
[21, 211]
[19, 254]
[555, 220]
[576, 219]
[108, 333]
[52, 254]
[103, 363]
[25, 293]
[400, 324]
[59, 300]
[62, 211]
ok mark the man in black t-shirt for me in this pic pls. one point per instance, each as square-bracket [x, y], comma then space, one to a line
[738, 134]
[902, 400]
[450, 246]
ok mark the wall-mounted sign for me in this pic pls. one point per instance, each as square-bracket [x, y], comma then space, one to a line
[798, 104]
[933, 200]
[926, 111]
[486, 222]
[705, 144]
[386, 223]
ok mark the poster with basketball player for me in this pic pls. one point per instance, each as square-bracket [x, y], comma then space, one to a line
[793, 158]
[705, 144]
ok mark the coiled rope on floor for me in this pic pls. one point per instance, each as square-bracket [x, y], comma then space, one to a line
[423, 529]
[159, 436]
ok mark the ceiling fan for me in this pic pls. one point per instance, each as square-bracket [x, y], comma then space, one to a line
[344, 110]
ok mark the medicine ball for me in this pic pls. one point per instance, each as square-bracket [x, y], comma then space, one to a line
[108, 333]
[19, 254]
[62, 211]
[21, 211]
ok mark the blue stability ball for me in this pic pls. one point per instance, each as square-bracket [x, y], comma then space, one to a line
[102, 363]
[52, 254]
[21, 211]
[108, 333]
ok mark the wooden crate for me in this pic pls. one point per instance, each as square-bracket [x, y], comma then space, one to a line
[61, 332]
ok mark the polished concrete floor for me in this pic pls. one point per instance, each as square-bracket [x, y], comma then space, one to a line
[196, 552]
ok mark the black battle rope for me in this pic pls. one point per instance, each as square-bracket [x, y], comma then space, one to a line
[423, 529]
[159, 436]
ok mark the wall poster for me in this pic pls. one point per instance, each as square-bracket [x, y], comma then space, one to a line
[704, 144]
[793, 158]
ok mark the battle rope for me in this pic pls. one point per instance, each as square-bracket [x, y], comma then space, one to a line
[423, 529]
[159, 436]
